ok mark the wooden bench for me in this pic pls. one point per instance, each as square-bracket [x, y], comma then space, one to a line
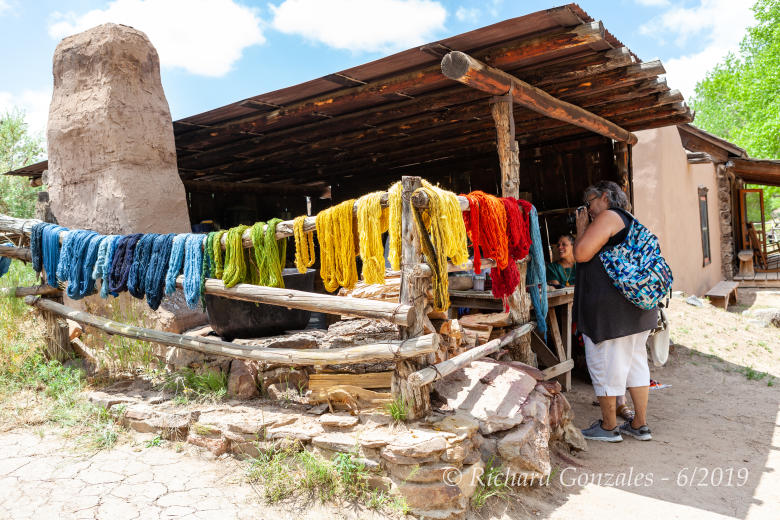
[723, 293]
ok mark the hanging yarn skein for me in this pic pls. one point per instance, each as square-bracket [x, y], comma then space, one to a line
[113, 241]
[216, 254]
[234, 270]
[122, 262]
[36, 246]
[158, 268]
[77, 259]
[338, 266]
[536, 276]
[394, 210]
[304, 245]
[194, 264]
[50, 244]
[505, 281]
[486, 225]
[372, 221]
[447, 239]
[269, 253]
[175, 262]
[136, 278]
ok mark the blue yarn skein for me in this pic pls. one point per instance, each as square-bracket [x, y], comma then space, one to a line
[175, 263]
[50, 244]
[122, 262]
[84, 282]
[158, 268]
[36, 246]
[113, 241]
[97, 272]
[536, 276]
[193, 264]
[79, 249]
[136, 285]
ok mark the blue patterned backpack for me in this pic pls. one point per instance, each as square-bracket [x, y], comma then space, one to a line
[637, 268]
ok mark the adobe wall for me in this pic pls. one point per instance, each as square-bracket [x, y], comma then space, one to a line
[112, 155]
[666, 191]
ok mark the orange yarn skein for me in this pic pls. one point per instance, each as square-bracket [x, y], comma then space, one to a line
[486, 226]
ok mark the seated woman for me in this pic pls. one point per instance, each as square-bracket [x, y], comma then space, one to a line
[562, 273]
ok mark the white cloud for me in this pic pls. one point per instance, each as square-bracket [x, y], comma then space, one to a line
[34, 103]
[204, 37]
[4, 6]
[718, 24]
[465, 14]
[653, 3]
[361, 25]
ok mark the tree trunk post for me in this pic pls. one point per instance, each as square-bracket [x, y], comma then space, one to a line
[509, 159]
[413, 292]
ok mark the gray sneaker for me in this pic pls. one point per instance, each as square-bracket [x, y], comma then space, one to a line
[642, 433]
[597, 433]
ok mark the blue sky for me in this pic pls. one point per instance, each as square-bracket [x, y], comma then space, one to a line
[214, 52]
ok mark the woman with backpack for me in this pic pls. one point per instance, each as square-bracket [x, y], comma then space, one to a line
[614, 329]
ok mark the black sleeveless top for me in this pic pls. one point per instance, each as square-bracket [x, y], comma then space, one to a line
[600, 310]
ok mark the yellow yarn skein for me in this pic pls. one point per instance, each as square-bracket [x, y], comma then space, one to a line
[447, 236]
[337, 246]
[394, 210]
[304, 245]
[372, 222]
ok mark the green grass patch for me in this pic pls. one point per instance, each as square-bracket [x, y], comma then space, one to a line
[287, 472]
[491, 484]
[208, 384]
[398, 409]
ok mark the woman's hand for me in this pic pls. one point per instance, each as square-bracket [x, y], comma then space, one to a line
[582, 221]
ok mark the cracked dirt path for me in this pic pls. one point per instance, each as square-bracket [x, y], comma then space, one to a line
[42, 477]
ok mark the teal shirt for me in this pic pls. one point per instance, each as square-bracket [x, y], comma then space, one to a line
[565, 276]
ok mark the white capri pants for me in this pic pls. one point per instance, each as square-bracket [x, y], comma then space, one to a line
[615, 364]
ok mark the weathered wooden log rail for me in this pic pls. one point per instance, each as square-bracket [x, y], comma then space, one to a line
[384, 351]
[37, 290]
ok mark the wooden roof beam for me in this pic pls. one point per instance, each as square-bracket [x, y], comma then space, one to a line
[463, 68]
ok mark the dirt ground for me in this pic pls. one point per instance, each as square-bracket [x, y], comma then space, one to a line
[715, 451]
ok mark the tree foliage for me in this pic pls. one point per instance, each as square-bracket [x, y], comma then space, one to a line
[739, 99]
[17, 148]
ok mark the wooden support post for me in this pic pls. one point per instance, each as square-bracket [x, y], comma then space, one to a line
[37, 290]
[622, 166]
[413, 290]
[57, 336]
[18, 253]
[509, 159]
[566, 320]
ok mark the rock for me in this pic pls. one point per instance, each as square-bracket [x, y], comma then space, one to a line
[775, 319]
[693, 300]
[336, 442]
[111, 149]
[106, 401]
[171, 426]
[469, 480]
[461, 424]
[536, 407]
[415, 445]
[291, 378]
[458, 452]
[423, 497]
[302, 430]
[525, 450]
[242, 380]
[492, 392]
[572, 437]
[318, 409]
[379, 483]
[208, 436]
[560, 411]
[376, 438]
[420, 472]
[339, 420]
[279, 391]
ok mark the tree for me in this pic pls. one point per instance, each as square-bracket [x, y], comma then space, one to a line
[739, 99]
[17, 148]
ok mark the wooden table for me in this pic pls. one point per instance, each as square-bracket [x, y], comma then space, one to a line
[560, 334]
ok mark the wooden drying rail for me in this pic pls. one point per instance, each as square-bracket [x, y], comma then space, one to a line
[327, 303]
[470, 71]
[385, 351]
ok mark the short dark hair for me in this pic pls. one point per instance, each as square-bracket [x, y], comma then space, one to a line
[568, 237]
[616, 196]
